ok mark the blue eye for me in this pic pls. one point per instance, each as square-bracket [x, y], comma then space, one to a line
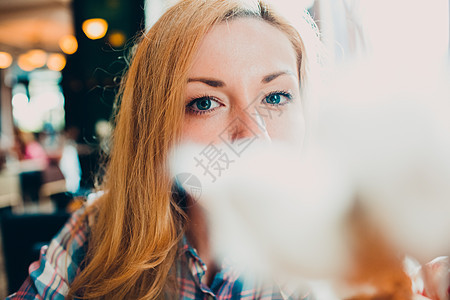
[278, 98]
[202, 105]
[273, 99]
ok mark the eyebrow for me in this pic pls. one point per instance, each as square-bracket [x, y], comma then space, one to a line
[208, 81]
[273, 76]
[218, 83]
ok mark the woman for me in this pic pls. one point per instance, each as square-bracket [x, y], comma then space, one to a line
[202, 73]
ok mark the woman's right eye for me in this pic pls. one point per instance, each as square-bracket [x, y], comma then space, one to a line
[202, 105]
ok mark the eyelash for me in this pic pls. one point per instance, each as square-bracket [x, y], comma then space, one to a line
[193, 100]
[201, 112]
[283, 93]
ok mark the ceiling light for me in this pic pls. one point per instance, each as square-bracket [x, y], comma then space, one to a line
[95, 28]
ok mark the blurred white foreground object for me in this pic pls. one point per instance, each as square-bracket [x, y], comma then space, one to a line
[372, 186]
[392, 130]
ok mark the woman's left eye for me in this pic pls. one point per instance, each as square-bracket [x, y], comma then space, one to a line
[278, 98]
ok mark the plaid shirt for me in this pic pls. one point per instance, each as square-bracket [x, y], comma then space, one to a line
[59, 263]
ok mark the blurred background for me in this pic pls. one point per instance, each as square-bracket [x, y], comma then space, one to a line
[60, 65]
[61, 62]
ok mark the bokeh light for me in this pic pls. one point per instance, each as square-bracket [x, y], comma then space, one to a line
[117, 38]
[5, 60]
[39, 103]
[56, 62]
[95, 28]
[36, 58]
[68, 44]
[32, 59]
[24, 63]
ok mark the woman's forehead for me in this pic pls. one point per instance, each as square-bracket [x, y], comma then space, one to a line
[245, 44]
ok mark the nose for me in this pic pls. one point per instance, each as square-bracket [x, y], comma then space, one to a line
[248, 123]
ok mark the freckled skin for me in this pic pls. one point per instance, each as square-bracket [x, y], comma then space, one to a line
[240, 53]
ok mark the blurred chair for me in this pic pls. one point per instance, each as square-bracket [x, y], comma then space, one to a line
[31, 182]
[61, 178]
[23, 236]
[53, 181]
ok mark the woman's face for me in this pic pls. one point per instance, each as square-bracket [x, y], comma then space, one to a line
[244, 83]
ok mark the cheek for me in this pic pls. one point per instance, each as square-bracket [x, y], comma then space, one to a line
[202, 131]
[288, 126]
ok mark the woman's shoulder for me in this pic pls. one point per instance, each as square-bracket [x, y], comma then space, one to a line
[67, 249]
[60, 261]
